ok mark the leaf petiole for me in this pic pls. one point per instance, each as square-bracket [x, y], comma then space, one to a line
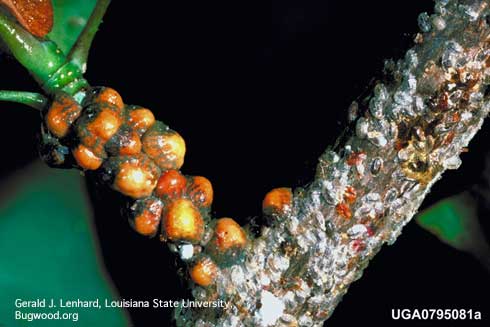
[79, 53]
[31, 99]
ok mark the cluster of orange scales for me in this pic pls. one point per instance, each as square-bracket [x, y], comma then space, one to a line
[140, 157]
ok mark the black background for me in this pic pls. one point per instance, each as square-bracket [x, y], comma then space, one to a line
[258, 89]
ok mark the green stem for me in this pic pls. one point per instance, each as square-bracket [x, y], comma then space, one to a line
[79, 53]
[34, 100]
[41, 58]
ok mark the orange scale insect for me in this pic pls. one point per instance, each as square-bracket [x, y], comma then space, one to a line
[182, 222]
[104, 95]
[277, 201]
[85, 158]
[97, 125]
[64, 110]
[165, 146]
[204, 272]
[94, 143]
[171, 185]
[134, 176]
[145, 215]
[140, 119]
[124, 143]
[229, 235]
[200, 191]
[105, 124]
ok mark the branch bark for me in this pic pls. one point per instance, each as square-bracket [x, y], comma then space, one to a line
[414, 126]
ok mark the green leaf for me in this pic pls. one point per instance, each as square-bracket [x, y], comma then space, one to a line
[447, 220]
[48, 249]
[70, 16]
[454, 221]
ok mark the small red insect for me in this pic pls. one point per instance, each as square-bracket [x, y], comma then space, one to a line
[358, 245]
[343, 210]
[356, 158]
[443, 103]
[449, 138]
[350, 194]
[456, 117]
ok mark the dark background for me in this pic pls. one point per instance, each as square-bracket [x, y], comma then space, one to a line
[258, 89]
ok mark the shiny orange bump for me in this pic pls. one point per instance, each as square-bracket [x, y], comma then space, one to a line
[229, 234]
[106, 124]
[183, 222]
[126, 142]
[140, 119]
[201, 191]
[278, 201]
[171, 184]
[146, 216]
[111, 96]
[60, 116]
[85, 158]
[164, 146]
[204, 272]
[343, 210]
[136, 177]
[130, 145]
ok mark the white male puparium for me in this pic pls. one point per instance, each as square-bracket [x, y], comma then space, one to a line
[414, 127]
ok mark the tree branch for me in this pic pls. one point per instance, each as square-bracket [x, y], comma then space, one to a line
[413, 128]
